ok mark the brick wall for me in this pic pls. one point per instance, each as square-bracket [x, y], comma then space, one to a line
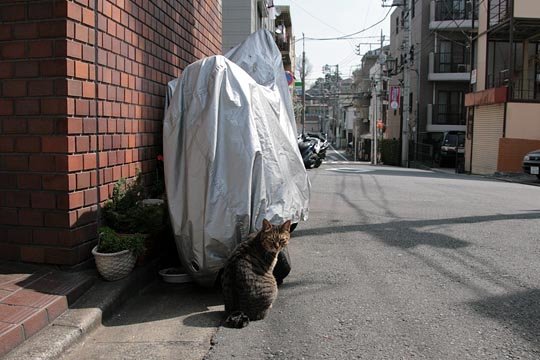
[511, 153]
[70, 119]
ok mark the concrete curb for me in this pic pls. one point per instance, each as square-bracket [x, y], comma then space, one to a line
[85, 315]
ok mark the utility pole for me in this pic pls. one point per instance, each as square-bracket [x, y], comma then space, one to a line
[303, 85]
[407, 42]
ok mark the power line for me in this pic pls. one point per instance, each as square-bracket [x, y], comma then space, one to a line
[347, 37]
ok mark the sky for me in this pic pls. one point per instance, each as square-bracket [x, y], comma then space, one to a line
[324, 19]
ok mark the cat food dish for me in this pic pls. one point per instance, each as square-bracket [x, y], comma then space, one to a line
[175, 275]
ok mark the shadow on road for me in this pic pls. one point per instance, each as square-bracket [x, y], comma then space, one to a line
[519, 311]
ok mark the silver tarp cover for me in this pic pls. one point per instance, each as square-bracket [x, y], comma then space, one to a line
[230, 153]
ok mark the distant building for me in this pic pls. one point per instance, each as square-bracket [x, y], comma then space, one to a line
[504, 106]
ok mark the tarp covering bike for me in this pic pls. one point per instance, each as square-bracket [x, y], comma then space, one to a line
[230, 153]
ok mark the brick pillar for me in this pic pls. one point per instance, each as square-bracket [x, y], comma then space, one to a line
[69, 119]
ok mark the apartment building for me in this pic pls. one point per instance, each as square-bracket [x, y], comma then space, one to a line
[503, 122]
[243, 17]
[438, 62]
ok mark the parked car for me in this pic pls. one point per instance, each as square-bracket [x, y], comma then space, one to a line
[452, 142]
[531, 163]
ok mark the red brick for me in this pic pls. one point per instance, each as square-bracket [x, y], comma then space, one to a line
[82, 143]
[14, 50]
[90, 197]
[74, 49]
[58, 144]
[14, 126]
[19, 235]
[27, 30]
[57, 219]
[6, 144]
[35, 322]
[27, 107]
[88, 89]
[81, 70]
[82, 107]
[75, 162]
[28, 144]
[74, 87]
[54, 106]
[40, 10]
[43, 200]
[74, 11]
[30, 217]
[89, 161]
[14, 162]
[56, 67]
[5, 32]
[26, 69]
[40, 87]
[18, 199]
[59, 305]
[83, 180]
[6, 107]
[8, 216]
[76, 200]
[60, 256]
[14, 88]
[33, 254]
[88, 17]
[45, 236]
[42, 163]
[55, 182]
[10, 335]
[41, 126]
[52, 29]
[40, 49]
[29, 181]
[81, 33]
[73, 125]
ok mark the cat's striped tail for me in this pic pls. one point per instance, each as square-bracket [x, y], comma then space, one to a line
[237, 320]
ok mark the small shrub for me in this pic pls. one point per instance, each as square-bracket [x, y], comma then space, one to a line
[111, 242]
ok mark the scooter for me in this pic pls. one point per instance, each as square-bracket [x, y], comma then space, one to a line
[323, 145]
[309, 149]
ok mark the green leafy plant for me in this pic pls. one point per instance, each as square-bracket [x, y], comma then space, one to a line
[111, 242]
[126, 213]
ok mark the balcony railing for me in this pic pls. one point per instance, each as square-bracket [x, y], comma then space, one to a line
[518, 89]
[448, 63]
[447, 114]
[499, 10]
[453, 10]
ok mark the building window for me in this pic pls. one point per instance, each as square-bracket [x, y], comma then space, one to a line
[397, 25]
[449, 109]
[452, 57]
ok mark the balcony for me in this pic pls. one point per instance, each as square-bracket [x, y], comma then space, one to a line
[451, 15]
[444, 67]
[445, 117]
[519, 90]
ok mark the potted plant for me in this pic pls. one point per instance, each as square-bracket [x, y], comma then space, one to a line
[116, 254]
[128, 212]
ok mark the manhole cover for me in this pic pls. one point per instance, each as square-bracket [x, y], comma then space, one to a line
[350, 170]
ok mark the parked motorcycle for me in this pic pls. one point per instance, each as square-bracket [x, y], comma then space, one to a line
[313, 149]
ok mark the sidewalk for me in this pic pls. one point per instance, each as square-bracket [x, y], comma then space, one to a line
[37, 298]
[32, 297]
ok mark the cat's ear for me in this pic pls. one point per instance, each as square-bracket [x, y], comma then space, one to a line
[286, 226]
[266, 225]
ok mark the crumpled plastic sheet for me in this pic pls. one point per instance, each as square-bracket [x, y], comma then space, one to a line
[231, 157]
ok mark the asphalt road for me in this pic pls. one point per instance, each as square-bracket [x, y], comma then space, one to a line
[392, 264]
[402, 264]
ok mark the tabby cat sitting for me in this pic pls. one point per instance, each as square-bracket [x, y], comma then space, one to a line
[248, 285]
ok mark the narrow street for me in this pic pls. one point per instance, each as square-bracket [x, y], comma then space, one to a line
[393, 264]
